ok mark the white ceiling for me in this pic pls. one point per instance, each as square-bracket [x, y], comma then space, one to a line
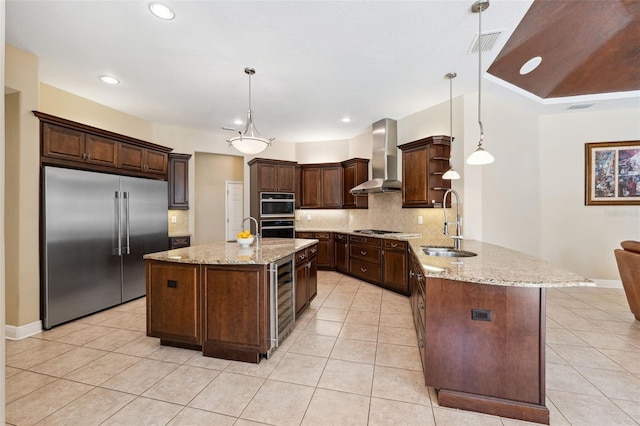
[315, 61]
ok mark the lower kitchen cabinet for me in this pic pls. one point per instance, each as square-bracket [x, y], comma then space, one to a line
[364, 258]
[306, 273]
[173, 295]
[341, 252]
[395, 265]
[324, 248]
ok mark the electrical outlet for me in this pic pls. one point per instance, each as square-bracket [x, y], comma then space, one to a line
[174, 219]
[419, 220]
[308, 217]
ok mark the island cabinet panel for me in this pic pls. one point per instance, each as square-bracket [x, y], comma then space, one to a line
[306, 277]
[236, 309]
[341, 252]
[174, 311]
[423, 163]
[484, 348]
[395, 266]
[324, 248]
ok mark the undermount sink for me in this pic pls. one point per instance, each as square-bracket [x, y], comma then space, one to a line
[446, 251]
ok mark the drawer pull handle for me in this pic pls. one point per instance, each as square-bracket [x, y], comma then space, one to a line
[420, 305]
[420, 344]
[313, 250]
[302, 256]
[363, 269]
[362, 252]
[393, 245]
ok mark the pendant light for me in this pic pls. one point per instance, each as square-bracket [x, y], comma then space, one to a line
[480, 155]
[451, 173]
[250, 142]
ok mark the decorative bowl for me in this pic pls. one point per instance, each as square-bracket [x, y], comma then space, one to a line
[245, 242]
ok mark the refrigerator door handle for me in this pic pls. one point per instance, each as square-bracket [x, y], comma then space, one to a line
[119, 222]
[128, 247]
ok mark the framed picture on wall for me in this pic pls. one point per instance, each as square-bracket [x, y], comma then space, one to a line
[612, 173]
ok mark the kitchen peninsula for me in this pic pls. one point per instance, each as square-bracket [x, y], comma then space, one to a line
[231, 302]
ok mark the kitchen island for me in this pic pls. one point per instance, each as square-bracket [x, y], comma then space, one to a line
[480, 323]
[231, 302]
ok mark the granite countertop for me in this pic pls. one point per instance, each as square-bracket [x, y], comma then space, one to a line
[231, 253]
[397, 235]
[493, 265]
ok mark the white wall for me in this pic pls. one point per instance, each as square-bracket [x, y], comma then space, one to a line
[2, 161]
[322, 152]
[582, 238]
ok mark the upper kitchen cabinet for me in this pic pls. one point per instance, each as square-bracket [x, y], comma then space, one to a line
[179, 181]
[354, 172]
[70, 144]
[423, 163]
[272, 175]
[321, 186]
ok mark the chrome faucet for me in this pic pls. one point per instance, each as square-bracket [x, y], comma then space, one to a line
[458, 237]
[257, 229]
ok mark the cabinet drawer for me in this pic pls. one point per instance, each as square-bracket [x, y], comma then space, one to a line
[365, 240]
[340, 237]
[307, 235]
[364, 252]
[322, 236]
[394, 244]
[366, 270]
[301, 256]
[312, 251]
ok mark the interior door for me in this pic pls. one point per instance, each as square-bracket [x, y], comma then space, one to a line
[81, 267]
[145, 229]
[234, 211]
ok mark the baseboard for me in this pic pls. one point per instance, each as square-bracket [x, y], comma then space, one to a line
[608, 283]
[22, 332]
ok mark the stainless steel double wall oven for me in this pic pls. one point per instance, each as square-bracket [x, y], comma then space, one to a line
[277, 219]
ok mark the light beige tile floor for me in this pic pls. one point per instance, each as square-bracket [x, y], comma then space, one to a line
[351, 360]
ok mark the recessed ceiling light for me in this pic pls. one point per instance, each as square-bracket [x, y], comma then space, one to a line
[237, 122]
[346, 120]
[109, 80]
[530, 65]
[162, 11]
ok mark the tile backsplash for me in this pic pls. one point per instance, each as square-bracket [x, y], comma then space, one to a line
[385, 212]
[181, 226]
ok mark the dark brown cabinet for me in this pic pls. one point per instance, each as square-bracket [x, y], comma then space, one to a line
[354, 171]
[321, 186]
[306, 272]
[364, 258]
[229, 332]
[395, 265]
[272, 175]
[70, 144]
[179, 181]
[341, 252]
[423, 163]
[173, 295]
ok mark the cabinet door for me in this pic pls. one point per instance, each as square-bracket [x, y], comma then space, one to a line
[155, 162]
[179, 182]
[61, 142]
[132, 157]
[312, 278]
[101, 150]
[311, 187]
[394, 270]
[332, 187]
[414, 178]
[324, 249]
[286, 177]
[173, 302]
[301, 288]
[348, 181]
[341, 252]
[267, 178]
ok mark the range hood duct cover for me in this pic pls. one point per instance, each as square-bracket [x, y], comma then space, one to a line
[384, 160]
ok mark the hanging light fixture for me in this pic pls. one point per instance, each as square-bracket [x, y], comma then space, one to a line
[451, 173]
[480, 155]
[250, 142]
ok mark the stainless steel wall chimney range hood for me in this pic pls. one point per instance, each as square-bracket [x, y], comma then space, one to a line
[384, 160]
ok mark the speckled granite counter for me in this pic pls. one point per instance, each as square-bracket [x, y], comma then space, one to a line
[493, 265]
[231, 253]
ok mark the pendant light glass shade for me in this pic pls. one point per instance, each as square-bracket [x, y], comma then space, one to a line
[451, 173]
[480, 156]
[249, 141]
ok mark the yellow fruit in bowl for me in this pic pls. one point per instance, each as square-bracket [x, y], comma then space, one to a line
[244, 234]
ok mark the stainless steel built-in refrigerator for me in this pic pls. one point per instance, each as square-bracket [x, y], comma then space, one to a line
[95, 229]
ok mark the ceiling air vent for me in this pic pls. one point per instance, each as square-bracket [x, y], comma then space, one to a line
[580, 106]
[487, 41]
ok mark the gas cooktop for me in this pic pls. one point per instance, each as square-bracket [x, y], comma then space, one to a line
[375, 231]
